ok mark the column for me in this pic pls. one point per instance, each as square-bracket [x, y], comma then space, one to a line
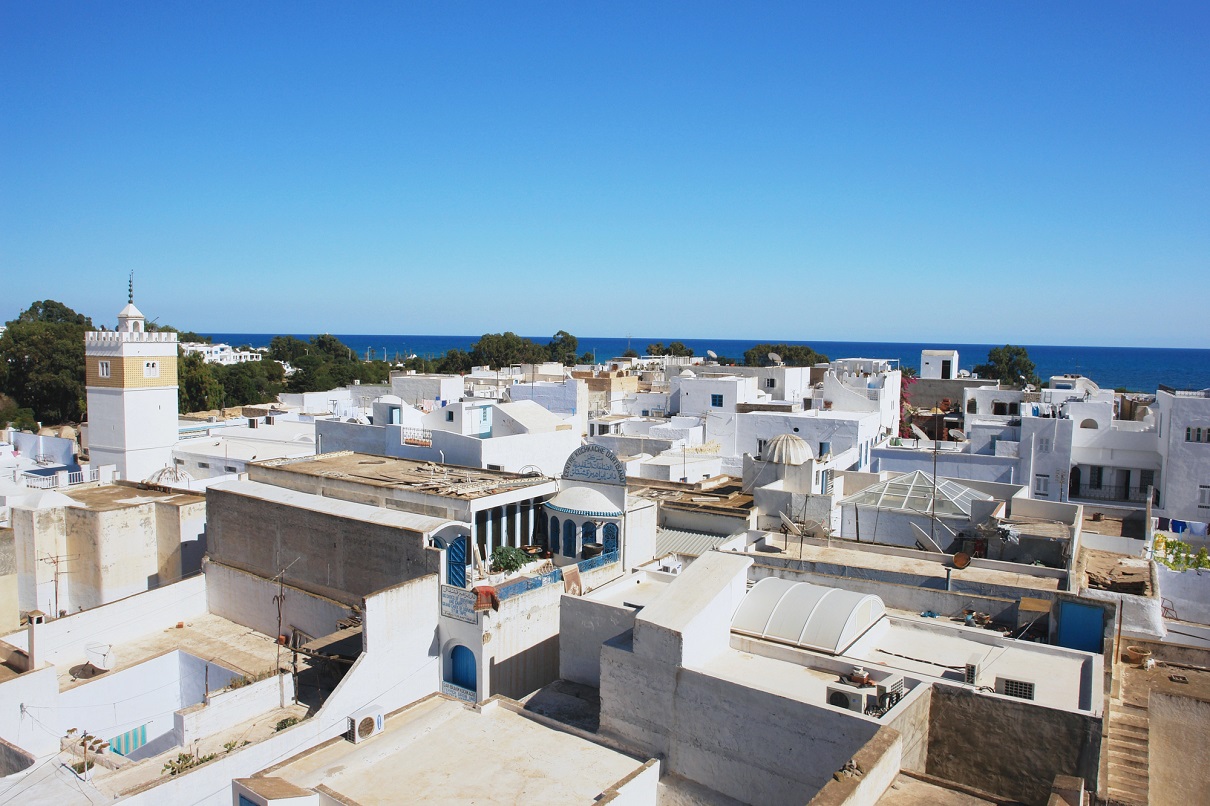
[516, 541]
[491, 534]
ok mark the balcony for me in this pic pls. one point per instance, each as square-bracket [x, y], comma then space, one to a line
[1110, 492]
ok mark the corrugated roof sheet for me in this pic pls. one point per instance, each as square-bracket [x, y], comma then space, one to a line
[691, 544]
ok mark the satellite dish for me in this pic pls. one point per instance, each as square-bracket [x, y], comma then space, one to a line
[918, 432]
[962, 560]
[958, 435]
[775, 358]
[711, 354]
[789, 524]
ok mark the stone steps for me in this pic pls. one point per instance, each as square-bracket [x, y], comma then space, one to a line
[1129, 755]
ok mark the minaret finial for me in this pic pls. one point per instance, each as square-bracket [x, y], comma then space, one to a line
[130, 289]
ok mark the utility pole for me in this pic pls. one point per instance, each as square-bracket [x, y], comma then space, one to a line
[55, 560]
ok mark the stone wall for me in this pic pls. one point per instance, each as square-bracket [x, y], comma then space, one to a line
[1010, 747]
[1179, 749]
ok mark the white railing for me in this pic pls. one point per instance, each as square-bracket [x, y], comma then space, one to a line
[62, 479]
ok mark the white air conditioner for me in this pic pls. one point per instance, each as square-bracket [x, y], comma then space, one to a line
[848, 697]
[971, 674]
[367, 722]
[892, 685]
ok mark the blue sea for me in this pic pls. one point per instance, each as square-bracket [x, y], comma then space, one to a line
[1140, 369]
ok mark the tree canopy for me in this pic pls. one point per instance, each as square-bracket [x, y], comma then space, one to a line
[792, 355]
[42, 361]
[1009, 364]
[675, 348]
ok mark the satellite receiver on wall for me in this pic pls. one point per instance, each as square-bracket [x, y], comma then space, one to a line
[775, 358]
[919, 432]
[713, 356]
[789, 524]
[957, 435]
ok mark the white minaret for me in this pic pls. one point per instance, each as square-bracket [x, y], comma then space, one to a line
[132, 396]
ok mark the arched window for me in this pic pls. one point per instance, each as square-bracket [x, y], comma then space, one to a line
[590, 532]
[552, 539]
[569, 538]
[1089, 423]
[462, 668]
[611, 537]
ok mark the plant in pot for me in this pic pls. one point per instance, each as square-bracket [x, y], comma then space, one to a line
[506, 559]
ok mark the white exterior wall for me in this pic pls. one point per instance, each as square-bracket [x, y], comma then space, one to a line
[134, 429]
[931, 360]
[694, 395]
[1186, 465]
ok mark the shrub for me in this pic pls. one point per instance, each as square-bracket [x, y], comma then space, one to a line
[508, 559]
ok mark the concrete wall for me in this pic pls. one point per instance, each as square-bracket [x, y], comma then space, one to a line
[248, 599]
[1189, 592]
[337, 556]
[911, 719]
[10, 603]
[879, 760]
[13, 759]
[640, 788]
[584, 626]
[37, 691]
[230, 708]
[334, 435]
[1179, 744]
[1011, 748]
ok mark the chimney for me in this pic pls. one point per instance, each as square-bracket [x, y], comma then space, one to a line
[36, 617]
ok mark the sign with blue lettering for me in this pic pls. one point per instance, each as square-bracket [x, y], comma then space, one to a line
[596, 464]
[458, 603]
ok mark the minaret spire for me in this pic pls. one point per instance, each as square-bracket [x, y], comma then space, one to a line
[130, 289]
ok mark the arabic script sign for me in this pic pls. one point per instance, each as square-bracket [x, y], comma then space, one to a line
[458, 603]
[594, 463]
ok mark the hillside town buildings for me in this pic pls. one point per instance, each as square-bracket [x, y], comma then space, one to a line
[655, 580]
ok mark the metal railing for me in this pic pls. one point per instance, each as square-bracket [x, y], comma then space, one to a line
[416, 436]
[1111, 492]
[52, 481]
[516, 587]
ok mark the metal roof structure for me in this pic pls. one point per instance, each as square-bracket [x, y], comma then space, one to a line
[913, 492]
[690, 544]
[805, 615]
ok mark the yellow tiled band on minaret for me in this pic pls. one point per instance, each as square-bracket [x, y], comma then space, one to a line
[130, 372]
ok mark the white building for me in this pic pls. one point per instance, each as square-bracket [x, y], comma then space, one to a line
[939, 364]
[220, 353]
[131, 382]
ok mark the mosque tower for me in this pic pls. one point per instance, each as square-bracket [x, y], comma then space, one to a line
[131, 380]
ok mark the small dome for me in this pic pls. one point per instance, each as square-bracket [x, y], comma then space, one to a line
[130, 312]
[393, 399]
[688, 374]
[787, 449]
[583, 501]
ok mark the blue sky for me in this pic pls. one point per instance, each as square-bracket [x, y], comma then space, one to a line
[977, 172]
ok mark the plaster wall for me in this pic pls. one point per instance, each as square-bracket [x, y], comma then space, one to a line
[638, 532]
[38, 691]
[247, 599]
[950, 464]
[1179, 745]
[585, 625]
[61, 451]
[911, 719]
[1189, 592]
[1185, 464]
[117, 554]
[13, 759]
[334, 435]
[38, 533]
[62, 640]
[333, 555]
[547, 451]
[10, 607]
[415, 389]
[1011, 748]
[230, 708]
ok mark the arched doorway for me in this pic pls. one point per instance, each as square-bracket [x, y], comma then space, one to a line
[552, 539]
[462, 668]
[611, 537]
[569, 538]
[590, 532]
[1073, 489]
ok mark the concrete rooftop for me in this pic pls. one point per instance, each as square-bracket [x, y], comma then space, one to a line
[117, 496]
[450, 481]
[441, 751]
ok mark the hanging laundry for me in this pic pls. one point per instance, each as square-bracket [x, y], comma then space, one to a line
[1178, 527]
[1197, 528]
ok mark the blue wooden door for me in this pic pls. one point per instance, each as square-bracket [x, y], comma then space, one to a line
[590, 532]
[611, 537]
[569, 538]
[1081, 627]
[455, 563]
[463, 673]
[552, 538]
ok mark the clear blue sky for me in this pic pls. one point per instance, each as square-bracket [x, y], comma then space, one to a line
[964, 172]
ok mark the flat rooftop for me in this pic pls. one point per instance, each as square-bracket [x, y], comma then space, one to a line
[208, 637]
[722, 494]
[838, 554]
[451, 481]
[109, 497]
[441, 751]
[908, 791]
[637, 590]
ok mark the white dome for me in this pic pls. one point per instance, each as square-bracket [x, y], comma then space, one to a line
[130, 312]
[688, 374]
[583, 501]
[787, 449]
[390, 399]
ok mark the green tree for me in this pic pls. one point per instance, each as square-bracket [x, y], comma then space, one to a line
[630, 353]
[562, 348]
[679, 349]
[10, 412]
[287, 348]
[455, 362]
[198, 389]
[253, 382]
[1010, 365]
[792, 355]
[502, 349]
[656, 349]
[42, 361]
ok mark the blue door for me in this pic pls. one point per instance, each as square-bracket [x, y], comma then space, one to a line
[463, 673]
[1081, 627]
[611, 538]
[455, 563]
[552, 539]
[569, 538]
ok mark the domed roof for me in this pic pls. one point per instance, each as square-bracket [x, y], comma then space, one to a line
[583, 501]
[390, 399]
[130, 312]
[688, 374]
[787, 449]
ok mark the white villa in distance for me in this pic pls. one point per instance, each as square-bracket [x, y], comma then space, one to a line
[223, 354]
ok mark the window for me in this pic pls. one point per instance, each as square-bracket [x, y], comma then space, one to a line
[1042, 485]
[1017, 688]
[1014, 409]
[999, 408]
[1146, 479]
[449, 416]
[103, 369]
[231, 469]
[825, 448]
[1203, 496]
[760, 446]
[1197, 434]
[1044, 445]
[204, 465]
[716, 401]
[151, 369]
[1096, 476]
[770, 383]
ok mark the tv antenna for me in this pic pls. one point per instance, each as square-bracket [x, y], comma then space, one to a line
[957, 435]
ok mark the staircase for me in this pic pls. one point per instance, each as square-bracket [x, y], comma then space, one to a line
[1128, 761]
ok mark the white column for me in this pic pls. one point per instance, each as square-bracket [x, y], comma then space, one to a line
[517, 540]
[491, 533]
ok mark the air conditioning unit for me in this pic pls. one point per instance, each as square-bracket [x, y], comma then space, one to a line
[892, 685]
[847, 697]
[971, 676]
[367, 722]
